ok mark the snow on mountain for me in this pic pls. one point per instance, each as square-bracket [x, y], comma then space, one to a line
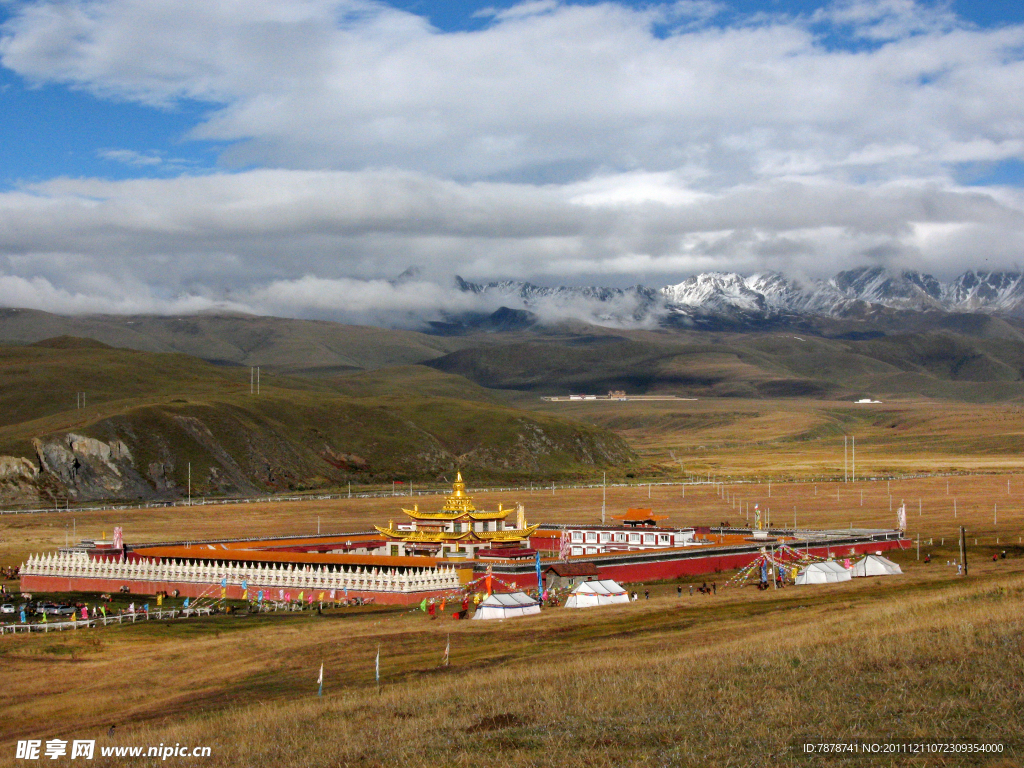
[765, 295]
[987, 291]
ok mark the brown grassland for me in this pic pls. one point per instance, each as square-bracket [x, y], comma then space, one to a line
[739, 679]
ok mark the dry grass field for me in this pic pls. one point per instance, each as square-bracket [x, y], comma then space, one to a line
[739, 679]
[801, 439]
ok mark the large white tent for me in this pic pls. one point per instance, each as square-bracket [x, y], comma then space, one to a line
[595, 593]
[828, 572]
[875, 565]
[506, 606]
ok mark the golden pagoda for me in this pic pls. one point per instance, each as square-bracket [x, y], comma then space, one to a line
[459, 529]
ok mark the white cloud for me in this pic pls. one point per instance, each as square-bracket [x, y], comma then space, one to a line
[546, 90]
[560, 142]
[131, 157]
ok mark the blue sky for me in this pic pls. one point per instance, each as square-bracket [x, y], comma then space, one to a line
[289, 156]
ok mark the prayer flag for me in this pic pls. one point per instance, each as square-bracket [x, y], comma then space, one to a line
[447, 650]
[320, 680]
[376, 666]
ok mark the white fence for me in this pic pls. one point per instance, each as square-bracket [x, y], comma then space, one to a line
[102, 621]
[253, 576]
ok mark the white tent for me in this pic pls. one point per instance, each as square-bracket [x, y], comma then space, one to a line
[595, 593]
[828, 572]
[506, 606]
[876, 565]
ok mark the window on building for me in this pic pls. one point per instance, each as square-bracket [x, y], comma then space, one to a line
[664, 538]
[634, 538]
[620, 537]
[577, 536]
[577, 550]
[591, 537]
[605, 537]
[648, 538]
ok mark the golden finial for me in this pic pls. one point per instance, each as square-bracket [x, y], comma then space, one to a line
[459, 501]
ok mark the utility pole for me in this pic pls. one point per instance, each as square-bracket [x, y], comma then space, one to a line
[257, 379]
[846, 477]
[190, 483]
[853, 467]
[604, 494]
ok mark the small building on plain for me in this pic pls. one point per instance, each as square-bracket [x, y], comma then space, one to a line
[568, 575]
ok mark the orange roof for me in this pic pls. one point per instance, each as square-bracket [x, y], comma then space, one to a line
[202, 552]
[293, 541]
[639, 513]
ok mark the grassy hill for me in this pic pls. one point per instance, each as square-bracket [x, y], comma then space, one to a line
[287, 345]
[149, 416]
[936, 363]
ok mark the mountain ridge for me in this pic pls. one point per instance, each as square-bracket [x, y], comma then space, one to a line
[767, 295]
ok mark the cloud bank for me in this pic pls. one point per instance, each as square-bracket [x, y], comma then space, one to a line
[560, 143]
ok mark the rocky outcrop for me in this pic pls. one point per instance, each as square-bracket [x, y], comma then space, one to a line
[90, 469]
[18, 478]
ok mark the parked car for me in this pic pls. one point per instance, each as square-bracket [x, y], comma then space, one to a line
[7, 608]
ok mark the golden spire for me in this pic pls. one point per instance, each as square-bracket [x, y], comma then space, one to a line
[459, 501]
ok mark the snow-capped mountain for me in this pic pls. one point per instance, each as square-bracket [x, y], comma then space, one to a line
[729, 295]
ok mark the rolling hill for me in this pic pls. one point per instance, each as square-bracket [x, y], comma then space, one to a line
[152, 420]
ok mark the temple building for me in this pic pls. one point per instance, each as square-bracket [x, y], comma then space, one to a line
[458, 530]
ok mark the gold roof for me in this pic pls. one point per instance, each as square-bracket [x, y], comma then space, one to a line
[519, 533]
[422, 535]
[516, 535]
[499, 514]
[457, 505]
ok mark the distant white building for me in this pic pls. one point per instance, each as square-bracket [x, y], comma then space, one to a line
[597, 541]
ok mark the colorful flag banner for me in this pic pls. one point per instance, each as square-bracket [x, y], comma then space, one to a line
[564, 546]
